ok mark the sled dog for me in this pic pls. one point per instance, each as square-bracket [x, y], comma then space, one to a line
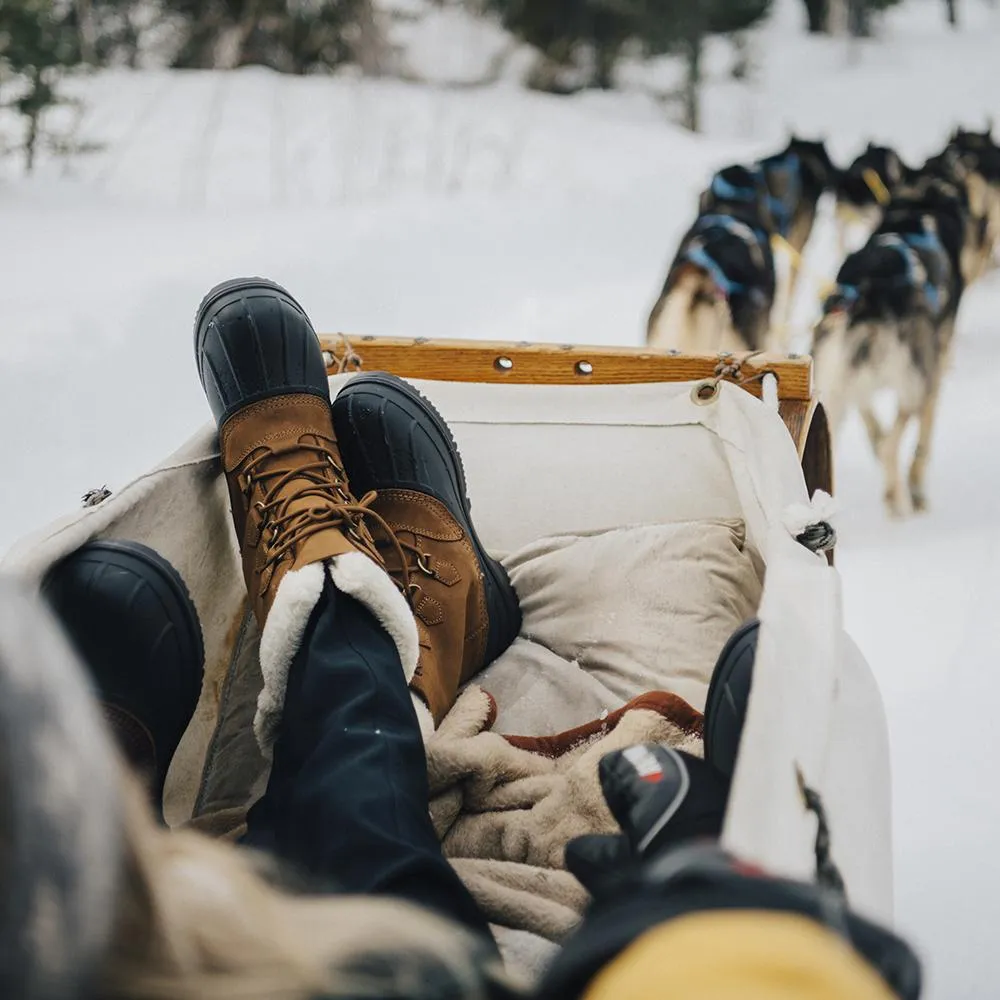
[889, 323]
[863, 190]
[719, 290]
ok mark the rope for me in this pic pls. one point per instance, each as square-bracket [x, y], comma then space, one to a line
[731, 367]
[349, 360]
[827, 872]
[95, 497]
[818, 537]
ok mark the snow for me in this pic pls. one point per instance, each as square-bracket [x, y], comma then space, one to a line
[396, 209]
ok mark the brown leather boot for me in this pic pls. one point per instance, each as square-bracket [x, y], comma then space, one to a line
[262, 369]
[290, 499]
[394, 442]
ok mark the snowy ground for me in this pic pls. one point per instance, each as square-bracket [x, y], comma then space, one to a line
[391, 209]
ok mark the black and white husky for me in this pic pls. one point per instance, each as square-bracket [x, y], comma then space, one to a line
[719, 290]
[863, 191]
[979, 156]
[796, 179]
[889, 324]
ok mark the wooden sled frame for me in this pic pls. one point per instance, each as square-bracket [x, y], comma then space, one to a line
[569, 364]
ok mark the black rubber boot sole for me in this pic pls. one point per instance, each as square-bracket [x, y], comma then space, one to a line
[129, 614]
[252, 341]
[391, 437]
[728, 697]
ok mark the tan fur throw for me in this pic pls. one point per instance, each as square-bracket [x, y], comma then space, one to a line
[505, 812]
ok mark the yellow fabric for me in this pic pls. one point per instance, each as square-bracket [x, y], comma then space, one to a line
[739, 955]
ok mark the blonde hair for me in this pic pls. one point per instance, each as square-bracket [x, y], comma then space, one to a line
[199, 920]
[97, 891]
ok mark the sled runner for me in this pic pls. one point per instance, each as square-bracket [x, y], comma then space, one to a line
[645, 504]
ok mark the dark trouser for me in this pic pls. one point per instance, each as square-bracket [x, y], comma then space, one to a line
[347, 800]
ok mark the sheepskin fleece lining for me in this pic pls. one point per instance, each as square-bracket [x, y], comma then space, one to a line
[353, 574]
[297, 595]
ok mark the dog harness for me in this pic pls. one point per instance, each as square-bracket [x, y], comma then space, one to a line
[696, 252]
[727, 191]
[789, 166]
[909, 246]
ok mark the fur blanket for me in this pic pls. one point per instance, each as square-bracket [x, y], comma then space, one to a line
[505, 807]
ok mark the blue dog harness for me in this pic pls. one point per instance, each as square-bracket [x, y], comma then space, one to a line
[726, 191]
[783, 208]
[909, 246]
[697, 254]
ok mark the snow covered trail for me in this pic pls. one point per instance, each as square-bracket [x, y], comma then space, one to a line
[400, 210]
[922, 599]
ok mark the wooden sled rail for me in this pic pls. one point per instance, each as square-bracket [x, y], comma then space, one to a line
[558, 364]
[570, 364]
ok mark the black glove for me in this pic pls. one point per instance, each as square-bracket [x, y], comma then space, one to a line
[658, 869]
[660, 797]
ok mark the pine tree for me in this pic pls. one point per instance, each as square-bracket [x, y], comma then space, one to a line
[818, 16]
[560, 28]
[292, 36]
[38, 42]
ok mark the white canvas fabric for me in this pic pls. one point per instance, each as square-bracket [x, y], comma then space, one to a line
[548, 460]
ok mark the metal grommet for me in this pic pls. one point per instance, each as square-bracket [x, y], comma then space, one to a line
[328, 359]
[583, 368]
[503, 364]
[705, 392]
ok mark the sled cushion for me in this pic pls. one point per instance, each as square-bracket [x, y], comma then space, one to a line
[612, 614]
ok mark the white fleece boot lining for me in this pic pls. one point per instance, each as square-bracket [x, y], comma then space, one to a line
[353, 574]
[356, 575]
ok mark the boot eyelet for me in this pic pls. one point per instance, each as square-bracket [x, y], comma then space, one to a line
[424, 564]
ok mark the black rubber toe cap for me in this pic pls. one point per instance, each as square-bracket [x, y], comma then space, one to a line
[252, 340]
[129, 614]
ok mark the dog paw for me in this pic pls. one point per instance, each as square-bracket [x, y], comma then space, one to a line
[919, 501]
[895, 507]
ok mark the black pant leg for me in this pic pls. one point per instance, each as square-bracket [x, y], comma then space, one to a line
[347, 799]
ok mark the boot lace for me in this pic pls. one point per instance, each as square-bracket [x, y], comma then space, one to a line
[326, 480]
[413, 560]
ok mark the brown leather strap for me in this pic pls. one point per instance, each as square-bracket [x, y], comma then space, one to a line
[670, 706]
